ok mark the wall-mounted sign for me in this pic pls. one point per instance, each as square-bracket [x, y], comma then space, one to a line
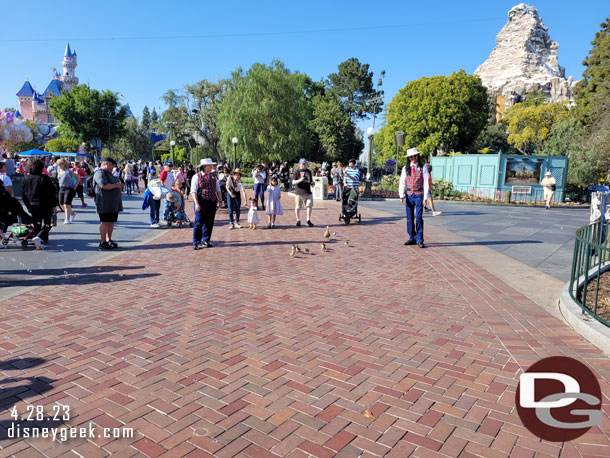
[523, 171]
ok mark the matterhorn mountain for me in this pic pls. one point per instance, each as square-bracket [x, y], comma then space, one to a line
[523, 61]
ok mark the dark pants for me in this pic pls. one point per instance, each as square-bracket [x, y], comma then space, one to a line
[155, 206]
[204, 221]
[338, 188]
[259, 190]
[234, 205]
[415, 217]
[41, 216]
[145, 180]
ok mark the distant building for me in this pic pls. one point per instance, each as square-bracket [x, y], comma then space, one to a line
[34, 106]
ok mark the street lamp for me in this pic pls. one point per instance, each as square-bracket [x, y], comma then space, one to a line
[370, 132]
[234, 140]
[172, 143]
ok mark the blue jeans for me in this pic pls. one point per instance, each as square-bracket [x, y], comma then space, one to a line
[338, 188]
[414, 206]
[259, 190]
[204, 221]
[155, 206]
[128, 186]
[135, 184]
[234, 205]
[167, 210]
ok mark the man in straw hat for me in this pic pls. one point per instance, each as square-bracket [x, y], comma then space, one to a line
[412, 188]
[549, 185]
[235, 193]
[205, 189]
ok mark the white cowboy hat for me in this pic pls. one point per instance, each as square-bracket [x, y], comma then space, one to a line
[411, 152]
[207, 161]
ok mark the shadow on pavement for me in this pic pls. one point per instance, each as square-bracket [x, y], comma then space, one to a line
[34, 387]
[69, 275]
[492, 243]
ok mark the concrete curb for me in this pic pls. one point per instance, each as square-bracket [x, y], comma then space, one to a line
[584, 324]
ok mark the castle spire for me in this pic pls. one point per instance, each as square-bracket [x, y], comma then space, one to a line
[68, 52]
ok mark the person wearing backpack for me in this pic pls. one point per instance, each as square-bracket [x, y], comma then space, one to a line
[205, 189]
[53, 172]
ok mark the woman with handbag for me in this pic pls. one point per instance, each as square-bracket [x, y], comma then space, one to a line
[550, 185]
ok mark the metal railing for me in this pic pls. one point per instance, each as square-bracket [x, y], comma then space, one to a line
[591, 259]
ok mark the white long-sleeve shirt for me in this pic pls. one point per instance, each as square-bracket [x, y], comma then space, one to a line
[403, 179]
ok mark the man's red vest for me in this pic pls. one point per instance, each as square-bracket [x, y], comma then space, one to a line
[414, 183]
[206, 188]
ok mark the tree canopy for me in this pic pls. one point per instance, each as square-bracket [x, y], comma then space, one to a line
[436, 113]
[266, 110]
[529, 125]
[84, 114]
[353, 85]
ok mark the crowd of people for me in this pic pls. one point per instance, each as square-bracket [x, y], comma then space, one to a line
[51, 184]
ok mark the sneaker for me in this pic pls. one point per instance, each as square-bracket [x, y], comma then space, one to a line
[67, 221]
[38, 242]
[72, 217]
[113, 244]
[426, 209]
[436, 213]
[208, 245]
[105, 246]
[272, 226]
[238, 226]
[231, 226]
[269, 226]
[195, 246]
[298, 223]
[155, 225]
[309, 223]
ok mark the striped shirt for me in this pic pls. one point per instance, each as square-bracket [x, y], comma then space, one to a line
[352, 177]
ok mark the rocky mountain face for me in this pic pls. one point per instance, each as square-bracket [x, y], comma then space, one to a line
[524, 60]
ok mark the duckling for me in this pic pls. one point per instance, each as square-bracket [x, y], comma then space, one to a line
[326, 233]
[323, 247]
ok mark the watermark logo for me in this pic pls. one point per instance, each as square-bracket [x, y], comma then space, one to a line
[558, 399]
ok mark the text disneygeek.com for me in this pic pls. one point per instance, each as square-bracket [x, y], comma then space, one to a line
[63, 433]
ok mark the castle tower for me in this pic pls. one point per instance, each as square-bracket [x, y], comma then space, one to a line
[69, 63]
[25, 95]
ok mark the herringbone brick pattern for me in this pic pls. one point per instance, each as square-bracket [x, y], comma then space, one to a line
[368, 349]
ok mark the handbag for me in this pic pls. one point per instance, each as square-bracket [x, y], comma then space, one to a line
[553, 187]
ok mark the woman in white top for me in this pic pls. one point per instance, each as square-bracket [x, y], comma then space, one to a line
[549, 185]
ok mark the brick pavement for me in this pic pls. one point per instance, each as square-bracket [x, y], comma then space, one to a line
[371, 349]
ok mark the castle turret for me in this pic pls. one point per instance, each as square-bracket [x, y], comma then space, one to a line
[25, 96]
[69, 63]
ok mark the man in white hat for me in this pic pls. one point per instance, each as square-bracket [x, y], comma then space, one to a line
[413, 186]
[549, 184]
[205, 189]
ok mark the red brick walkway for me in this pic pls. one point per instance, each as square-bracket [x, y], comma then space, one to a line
[369, 349]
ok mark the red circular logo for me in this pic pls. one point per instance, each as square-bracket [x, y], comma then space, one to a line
[559, 399]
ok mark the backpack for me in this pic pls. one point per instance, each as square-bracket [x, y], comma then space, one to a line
[53, 173]
[91, 187]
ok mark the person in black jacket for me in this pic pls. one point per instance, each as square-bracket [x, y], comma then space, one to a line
[38, 194]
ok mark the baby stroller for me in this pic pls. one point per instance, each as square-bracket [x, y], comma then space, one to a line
[177, 214]
[349, 206]
[13, 214]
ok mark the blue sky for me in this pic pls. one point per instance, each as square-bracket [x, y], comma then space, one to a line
[140, 49]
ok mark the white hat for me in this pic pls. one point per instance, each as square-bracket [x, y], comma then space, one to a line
[412, 152]
[207, 161]
[548, 172]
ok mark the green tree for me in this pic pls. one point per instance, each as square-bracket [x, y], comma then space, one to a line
[134, 142]
[529, 125]
[84, 114]
[172, 98]
[146, 120]
[596, 75]
[353, 85]
[439, 113]
[61, 145]
[205, 98]
[493, 137]
[154, 119]
[333, 131]
[267, 111]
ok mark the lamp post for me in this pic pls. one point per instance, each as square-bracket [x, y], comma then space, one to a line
[399, 140]
[172, 143]
[370, 132]
[234, 140]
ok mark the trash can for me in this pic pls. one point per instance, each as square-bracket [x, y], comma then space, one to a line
[320, 189]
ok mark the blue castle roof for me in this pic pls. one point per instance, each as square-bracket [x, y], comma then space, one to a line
[55, 87]
[69, 52]
[26, 90]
